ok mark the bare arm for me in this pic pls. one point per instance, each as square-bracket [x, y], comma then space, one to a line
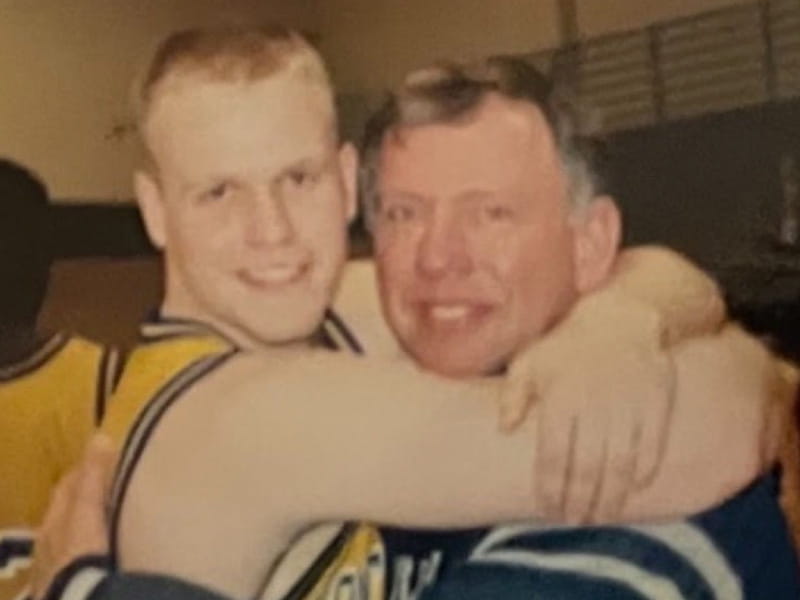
[275, 442]
[688, 301]
[729, 389]
[316, 423]
[612, 437]
[331, 437]
[682, 299]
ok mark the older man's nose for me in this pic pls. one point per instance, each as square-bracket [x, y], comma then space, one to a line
[443, 248]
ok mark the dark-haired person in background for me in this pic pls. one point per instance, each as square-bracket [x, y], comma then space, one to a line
[52, 386]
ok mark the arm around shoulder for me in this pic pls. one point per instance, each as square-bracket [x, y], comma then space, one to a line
[728, 386]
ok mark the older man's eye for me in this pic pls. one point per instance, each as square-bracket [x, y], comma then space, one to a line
[499, 212]
[302, 178]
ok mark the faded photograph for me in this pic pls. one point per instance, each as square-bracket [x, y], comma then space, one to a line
[379, 300]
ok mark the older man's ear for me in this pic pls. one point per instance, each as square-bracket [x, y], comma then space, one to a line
[348, 167]
[598, 229]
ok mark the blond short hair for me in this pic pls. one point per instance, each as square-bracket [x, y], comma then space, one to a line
[229, 54]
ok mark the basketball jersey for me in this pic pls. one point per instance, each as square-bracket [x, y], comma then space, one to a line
[739, 550]
[332, 561]
[51, 402]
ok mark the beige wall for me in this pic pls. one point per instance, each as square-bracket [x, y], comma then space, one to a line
[66, 68]
[371, 43]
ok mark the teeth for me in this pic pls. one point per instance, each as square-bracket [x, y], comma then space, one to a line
[277, 274]
[449, 312]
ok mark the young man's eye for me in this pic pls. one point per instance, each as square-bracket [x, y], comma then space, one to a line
[398, 213]
[217, 192]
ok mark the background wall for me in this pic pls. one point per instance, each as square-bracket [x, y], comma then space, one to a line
[66, 66]
[597, 17]
[371, 43]
[66, 69]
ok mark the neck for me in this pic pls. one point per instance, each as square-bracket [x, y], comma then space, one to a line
[242, 339]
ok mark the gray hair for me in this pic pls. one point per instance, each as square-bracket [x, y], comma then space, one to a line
[448, 92]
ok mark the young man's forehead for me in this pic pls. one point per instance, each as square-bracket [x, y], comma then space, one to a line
[280, 94]
[248, 118]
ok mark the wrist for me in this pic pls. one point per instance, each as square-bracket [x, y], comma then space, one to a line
[610, 316]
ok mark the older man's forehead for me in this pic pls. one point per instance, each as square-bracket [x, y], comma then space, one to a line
[502, 140]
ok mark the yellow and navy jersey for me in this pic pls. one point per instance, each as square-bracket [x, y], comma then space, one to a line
[51, 402]
[167, 353]
[328, 562]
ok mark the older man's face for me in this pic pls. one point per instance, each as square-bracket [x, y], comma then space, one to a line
[474, 240]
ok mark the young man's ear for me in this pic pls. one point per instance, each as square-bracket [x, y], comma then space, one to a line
[598, 229]
[151, 206]
[348, 165]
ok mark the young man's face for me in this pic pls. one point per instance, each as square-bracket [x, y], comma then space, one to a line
[250, 203]
[474, 241]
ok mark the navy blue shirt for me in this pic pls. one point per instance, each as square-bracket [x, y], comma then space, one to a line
[740, 549]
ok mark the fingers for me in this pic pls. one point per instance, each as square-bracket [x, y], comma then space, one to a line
[520, 389]
[620, 466]
[555, 441]
[89, 495]
[592, 456]
[101, 449]
[74, 524]
[96, 470]
[46, 556]
[60, 501]
[653, 425]
[516, 398]
[586, 472]
[779, 411]
[772, 435]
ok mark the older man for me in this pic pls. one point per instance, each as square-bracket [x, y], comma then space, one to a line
[238, 445]
[484, 201]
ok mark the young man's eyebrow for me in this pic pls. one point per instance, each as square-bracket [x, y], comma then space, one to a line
[308, 162]
[206, 182]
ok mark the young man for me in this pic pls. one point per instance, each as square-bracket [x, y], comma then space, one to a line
[52, 385]
[248, 194]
